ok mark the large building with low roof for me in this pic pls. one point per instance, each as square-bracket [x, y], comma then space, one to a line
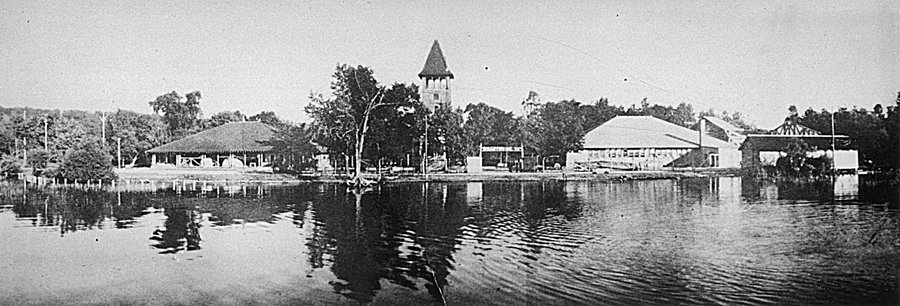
[646, 142]
[231, 145]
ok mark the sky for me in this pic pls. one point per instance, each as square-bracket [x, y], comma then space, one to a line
[755, 57]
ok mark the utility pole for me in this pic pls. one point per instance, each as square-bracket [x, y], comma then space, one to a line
[425, 154]
[833, 151]
[119, 151]
[45, 135]
[103, 126]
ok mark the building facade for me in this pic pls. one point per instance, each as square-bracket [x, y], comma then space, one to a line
[646, 142]
[764, 150]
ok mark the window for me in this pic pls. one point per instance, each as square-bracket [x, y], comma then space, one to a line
[437, 96]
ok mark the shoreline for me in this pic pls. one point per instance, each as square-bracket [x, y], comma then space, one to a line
[168, 175]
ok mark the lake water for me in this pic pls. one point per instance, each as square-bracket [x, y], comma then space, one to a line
[693, 241]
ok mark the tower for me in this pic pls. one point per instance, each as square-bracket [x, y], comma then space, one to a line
[436, 76]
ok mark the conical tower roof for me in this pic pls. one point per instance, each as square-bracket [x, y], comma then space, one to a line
[435, 65]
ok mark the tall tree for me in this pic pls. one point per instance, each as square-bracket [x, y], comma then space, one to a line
[294, 143]
[395, 132]
[137, 133]
[344, 119]
[488, 125]
[554, 129]
[446, 130]
[182, 115]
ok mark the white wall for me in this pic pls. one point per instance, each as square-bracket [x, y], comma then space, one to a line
[844, 159]
[729, 158]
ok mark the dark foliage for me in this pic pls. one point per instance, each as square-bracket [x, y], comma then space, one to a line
[89, 162]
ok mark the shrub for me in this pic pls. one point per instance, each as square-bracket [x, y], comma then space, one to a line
[89, 162]
[38, 158]
[9, 165]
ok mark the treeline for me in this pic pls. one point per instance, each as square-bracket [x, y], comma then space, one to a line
[49, 137]
[392, 129]
[874, 133]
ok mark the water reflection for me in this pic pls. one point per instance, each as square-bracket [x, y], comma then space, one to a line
[695, 241]
[181, 232]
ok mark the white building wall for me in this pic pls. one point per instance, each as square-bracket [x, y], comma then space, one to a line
[843, 159]
[729, 158]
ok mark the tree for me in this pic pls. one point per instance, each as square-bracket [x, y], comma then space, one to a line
[488, 125]
[38, 158]
[396, 132]
[598, 113]
[181, 117]
[223, 117]
[868, 132]
[72, 129]
[446, 129]
[344, 120]
[9, 165]
[137, 133]
[268, 117]
[681, 115]
[294, 143]
[554, 129]
[87, 162]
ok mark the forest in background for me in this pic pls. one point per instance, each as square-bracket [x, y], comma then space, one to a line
[395, 129]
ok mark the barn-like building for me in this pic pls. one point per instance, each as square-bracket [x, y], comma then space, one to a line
[646, 142]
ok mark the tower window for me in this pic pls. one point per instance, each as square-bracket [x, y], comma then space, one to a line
[437, 96]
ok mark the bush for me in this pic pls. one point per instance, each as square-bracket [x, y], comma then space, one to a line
[38, 158]
[9, 165]
[90, 162]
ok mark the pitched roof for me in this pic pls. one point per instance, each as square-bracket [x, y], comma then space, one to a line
[722, 124]
[232, 137]
[790, 127]
[733, 134]
[435, 64]
[646, 132]
[770, 142]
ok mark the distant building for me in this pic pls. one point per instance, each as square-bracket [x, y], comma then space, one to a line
[436, 76]
[765, 149]
[532, 102]
[231, 145]
[646, 142]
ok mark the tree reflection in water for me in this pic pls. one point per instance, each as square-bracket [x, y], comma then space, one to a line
[78, 209]
[182, 231]
[377, 235]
